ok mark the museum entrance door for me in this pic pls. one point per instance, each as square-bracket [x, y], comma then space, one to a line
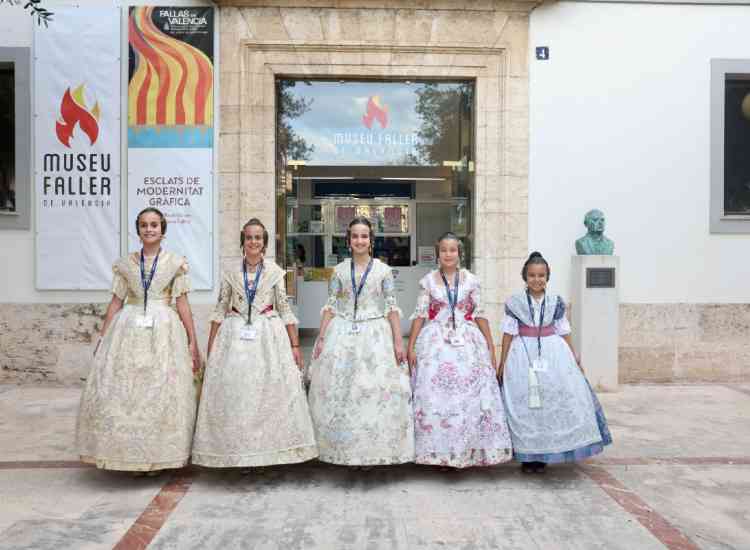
[398, 153]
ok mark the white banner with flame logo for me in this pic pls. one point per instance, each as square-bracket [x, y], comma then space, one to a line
[77, 136]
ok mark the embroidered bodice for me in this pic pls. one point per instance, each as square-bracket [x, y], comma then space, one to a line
[170, 280]
[433, 304]
[270, 296]
[377, 299]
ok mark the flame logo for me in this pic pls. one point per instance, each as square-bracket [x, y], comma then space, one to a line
[73, 111]
[375, 112]
[172, 82]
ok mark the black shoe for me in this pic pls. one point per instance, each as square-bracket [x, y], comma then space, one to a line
[538, 467]
[527, 467]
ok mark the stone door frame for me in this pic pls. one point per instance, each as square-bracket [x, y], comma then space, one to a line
[501, 134]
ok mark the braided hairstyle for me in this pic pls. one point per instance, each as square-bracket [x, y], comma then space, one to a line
[360, 220]
[251, 222]
[534, 258]
[450, 236]
[152, 210]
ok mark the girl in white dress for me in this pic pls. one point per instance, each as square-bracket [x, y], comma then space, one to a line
[459, 417]
[360, 396]
[553, 413]
[253, 409]
[137, 409]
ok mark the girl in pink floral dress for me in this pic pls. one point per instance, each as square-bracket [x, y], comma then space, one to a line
[459, 419]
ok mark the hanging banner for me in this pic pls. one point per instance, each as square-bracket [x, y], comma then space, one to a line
[170, 128]
[77, 135]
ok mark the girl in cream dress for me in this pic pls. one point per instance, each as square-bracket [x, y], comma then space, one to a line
[137, 411]
[253, 409]
[360, 396]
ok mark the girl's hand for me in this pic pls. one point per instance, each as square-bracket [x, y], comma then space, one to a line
[493, 357]
[195, 354]
[297, 357]
[411, 357]
[499, 370]
[318, 349]
[398, 352]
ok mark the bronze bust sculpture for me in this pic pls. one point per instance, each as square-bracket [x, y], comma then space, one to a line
[594, 242]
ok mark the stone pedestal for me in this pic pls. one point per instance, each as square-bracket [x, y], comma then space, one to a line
[595, 317]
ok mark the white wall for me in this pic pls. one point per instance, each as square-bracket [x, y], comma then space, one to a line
[17, 248]
[620, 121]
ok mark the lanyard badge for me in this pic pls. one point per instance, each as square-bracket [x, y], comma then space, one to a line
[250, 294]
[541, 320]
[147, 322]
[356, 291]
[452, 299]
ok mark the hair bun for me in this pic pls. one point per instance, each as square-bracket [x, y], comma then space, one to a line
[535, 254]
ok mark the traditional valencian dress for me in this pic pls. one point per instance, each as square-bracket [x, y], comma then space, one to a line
[360, 398]
[137, 410]
[459, 416]
[253, 409]
[553, 413]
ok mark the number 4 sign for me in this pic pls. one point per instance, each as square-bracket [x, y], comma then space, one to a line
[542, 53]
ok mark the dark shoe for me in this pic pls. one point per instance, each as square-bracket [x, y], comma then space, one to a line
[539, 467]
[527, 467]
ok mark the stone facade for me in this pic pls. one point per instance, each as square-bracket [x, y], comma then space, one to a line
[684, 343]
[485, 41]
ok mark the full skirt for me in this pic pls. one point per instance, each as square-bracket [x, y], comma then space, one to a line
[253, 409]
[137, 410]
[360, 398]
[459, 416]
[570, 424]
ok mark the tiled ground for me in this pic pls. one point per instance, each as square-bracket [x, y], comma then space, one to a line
[678, 476]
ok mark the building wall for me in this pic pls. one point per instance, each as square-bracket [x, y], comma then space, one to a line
[377, 39]
[47, 335]
[619, 120]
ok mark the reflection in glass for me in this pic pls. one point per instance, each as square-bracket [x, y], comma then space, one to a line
[329, 123]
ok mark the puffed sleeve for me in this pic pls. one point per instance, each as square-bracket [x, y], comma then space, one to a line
[509, 326]
[510, 323]
[476, 298]
[223, 303]
[282, 303]
[181, 282]
[562, 326]
[421, 311]
[119, 283]
[334, 289]
[389, 293]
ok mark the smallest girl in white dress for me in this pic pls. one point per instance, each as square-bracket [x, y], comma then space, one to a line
[459, 417]
[553, 413]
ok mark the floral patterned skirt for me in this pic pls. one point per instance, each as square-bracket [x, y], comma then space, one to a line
[137, 409]
[459, 416]
[360, 398]
[253, 409]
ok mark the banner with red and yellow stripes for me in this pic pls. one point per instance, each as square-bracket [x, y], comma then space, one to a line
[170, 90]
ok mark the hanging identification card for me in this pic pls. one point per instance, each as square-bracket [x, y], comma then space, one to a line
[456, 341]
[248, 332]
[539, 365]
[144, 321]
[354, 329]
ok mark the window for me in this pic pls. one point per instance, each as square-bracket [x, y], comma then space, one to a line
[730, 146]
[15, 119]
